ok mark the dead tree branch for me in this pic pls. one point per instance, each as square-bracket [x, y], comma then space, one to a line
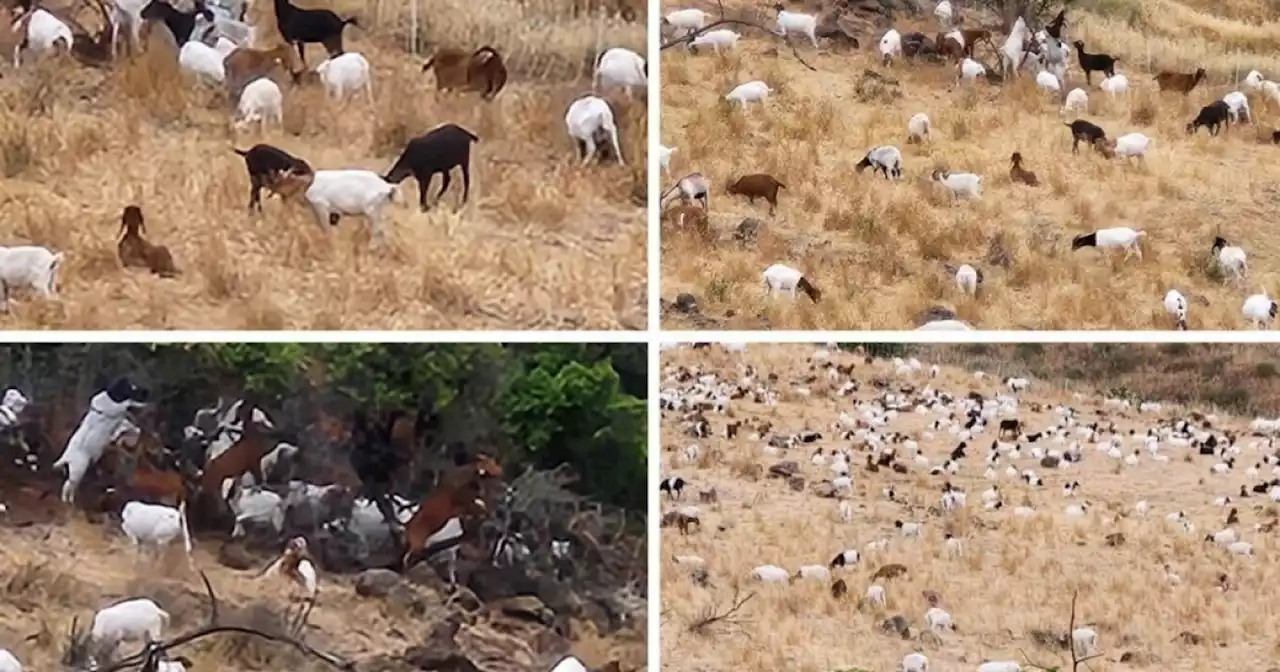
[712, 614]
[1076, 661]
[722, 21]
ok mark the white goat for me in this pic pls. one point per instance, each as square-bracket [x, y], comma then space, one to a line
[155, 525]
[9, 662]
[253, 504]
[918, 127]
[891, 46]
[771, 574]
[1132, 145]
[1117, 83]
[203, 61]
[44, 32]
[344, 73]
[664, 158]
[261, 101]
[716, 39]
[1000, 666]
[332, 193]
[693, 187]
[1238, 106]
[129, 621]
[970, 70]
[797, 22]
[967, 279]
[961, 185]
[105, 416]
[620, 67]
[687, 20]
[236, 32]
[1012, 51]
[11, 407]
[127, 14]
[590, 122]
[1047, 81]
[754, 91]
[783, 278]
[1176, 305]
[1269, 89]
[1259, 310]
[915, 662]
[943, 13]
[28, 266]
[1077, 99]
[1231, 259]
[1122, 237]
[885, 158]
[569, 664]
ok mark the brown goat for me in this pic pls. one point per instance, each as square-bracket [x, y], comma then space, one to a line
[459, 493]
[1179, 81]
[134, 250]
[158, 485]
[948, 47]
[758, 185]
[245, 64]
[481, 70]
[1019, 174]
[972, 36]
[244, 456]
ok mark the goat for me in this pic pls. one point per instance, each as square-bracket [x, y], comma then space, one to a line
[1082, 130]
[100, 424]
[154, 525]
[591, 124]
[1178, 81]
[134, 250]
[181, 24]
[333, 193]
[138, 619]
[755, 186]
[972, 36]
[1239, 106]
[245, 64]
[459, 494]
[28, 266]
[692, 187]
[1212, 116]
[42, 32]
[796, 22]
[244, 456]
[203, 61]
[688, 20]
[252, 504]
[1121, 236]
[438, 151]
[295, 565]
[347, 72]
[886, 159]
[783, 278]
[301, 27]
[481, 70]
[260, 101]
[1019, 174]
[620, 67]
[266, 165]
[1091, 63]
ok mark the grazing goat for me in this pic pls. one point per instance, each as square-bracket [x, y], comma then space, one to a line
[203, 61]
[134, 250]
[1077, 99]
[619, 67]
[459, 493]
[1239, 106]
[755, 186]
[343, 73]
[693, 187]
[591, 124]
[796, 22]
[301, 27]
[1231, 259]
[153, 525]
[481, 70]
[28, 266]
[961, 185]
[181, 24]
[44, 32]
[1083, 131]
[1019, 174]
[1091, 63]
[754, 91]
[1121, 236]
[102, 421]
[1126, 146]
[1114, 85]
[1259, 310]
[134, 620]
[1213, 116]
[333, 193]
[886, 159]
[1176, 305]
[261, 101]
[890, 46]
[1178, 81]
[439, 151]
[266, 166]
[783, 278]
[716, 39]
[1270, 90]
[918, 128]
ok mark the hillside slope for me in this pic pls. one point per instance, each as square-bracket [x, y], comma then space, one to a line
[878, 250]
[542, 242]
[1015, 575]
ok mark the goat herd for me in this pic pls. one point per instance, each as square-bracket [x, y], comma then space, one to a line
[231, 470]
[769, 439]
[214, 45]
[1046, 54]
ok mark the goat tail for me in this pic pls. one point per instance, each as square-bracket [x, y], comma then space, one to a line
[164, 617]
[240, 152]
[351, 21]
[781, 185]
[430, 61]
[182, 521]
[56, 260]
[473, 136]
[486, 50]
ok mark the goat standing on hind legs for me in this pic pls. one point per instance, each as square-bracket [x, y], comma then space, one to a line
[459, 495]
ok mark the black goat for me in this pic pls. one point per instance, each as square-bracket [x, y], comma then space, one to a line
[265, 165]
[181, 24]
[1054, 29]
[300, 27]
[1083, 130]
[1275, 137]
[1212, 116]
[1104, 63]
[439, 151]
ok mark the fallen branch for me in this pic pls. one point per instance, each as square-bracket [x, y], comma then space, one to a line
[711, 615]
[689, 37]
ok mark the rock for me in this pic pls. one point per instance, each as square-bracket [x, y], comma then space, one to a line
[491, 583]
[425, 575]
[1050, 461]
[493, 651]
[823, 489]
[796, 483]
[236, 557]
[785, 469]
[686, 303]
[748, 231]
[377, 582]
[935, 314]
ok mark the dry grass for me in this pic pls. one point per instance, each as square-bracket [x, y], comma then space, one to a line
[44, 582]
[878, 249]
[1016, 575]
[542, 244]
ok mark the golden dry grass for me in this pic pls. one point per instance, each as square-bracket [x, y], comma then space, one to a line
[542, 244]
[877, 249]
[43, 580]
[1015, 575]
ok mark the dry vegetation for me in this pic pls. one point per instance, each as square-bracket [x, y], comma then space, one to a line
[48, 576]
[543, 243]
[877, 250]
[1016, 575]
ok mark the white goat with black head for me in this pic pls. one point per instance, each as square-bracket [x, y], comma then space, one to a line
[107, 413]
